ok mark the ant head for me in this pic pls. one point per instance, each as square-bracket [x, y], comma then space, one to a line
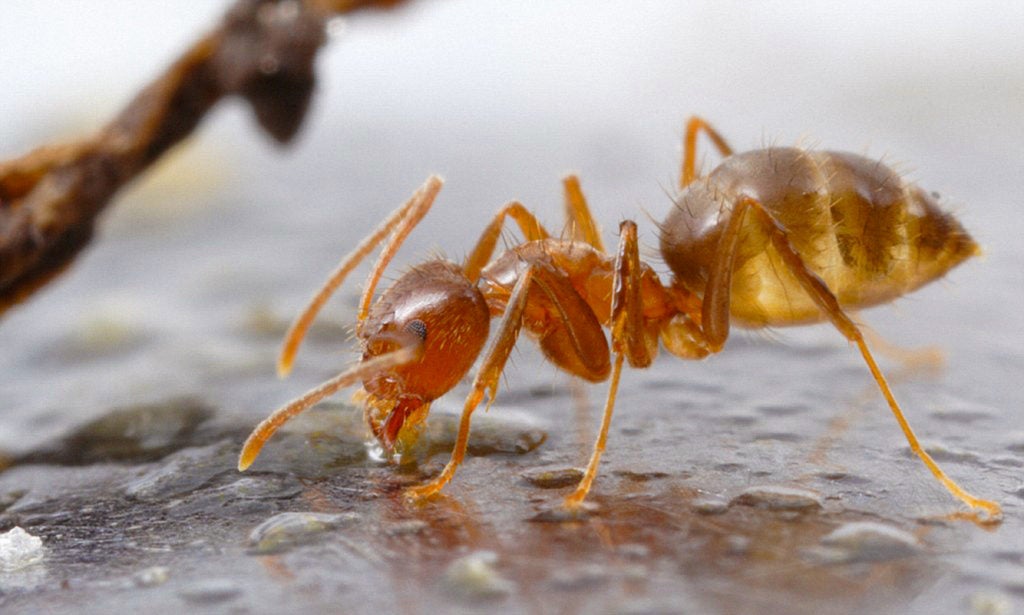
[436, 309]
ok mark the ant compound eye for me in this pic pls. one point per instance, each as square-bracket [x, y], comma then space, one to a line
[418, 328]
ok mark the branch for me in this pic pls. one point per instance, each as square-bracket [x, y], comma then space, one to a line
[263, 51]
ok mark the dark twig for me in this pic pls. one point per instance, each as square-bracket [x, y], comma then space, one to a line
[262, 51]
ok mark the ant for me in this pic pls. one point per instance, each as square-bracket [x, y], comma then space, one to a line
[771, 237]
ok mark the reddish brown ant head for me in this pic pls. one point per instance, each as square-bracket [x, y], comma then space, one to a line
[435, 308]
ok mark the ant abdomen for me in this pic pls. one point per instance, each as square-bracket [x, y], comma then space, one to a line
[858, 225]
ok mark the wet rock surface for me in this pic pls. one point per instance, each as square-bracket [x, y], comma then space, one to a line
[189, 531]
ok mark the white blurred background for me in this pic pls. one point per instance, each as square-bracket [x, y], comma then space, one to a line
[502, 99]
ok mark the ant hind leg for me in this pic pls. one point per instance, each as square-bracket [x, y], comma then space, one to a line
[693, 126]
[628, 341]
[816, 288]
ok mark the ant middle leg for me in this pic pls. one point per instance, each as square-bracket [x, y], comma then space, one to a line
[629, 340]
[483, 250]
[579, 222]
[693, 126]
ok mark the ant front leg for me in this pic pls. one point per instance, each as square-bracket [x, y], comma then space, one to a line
[486, 381]
[571, 338]
[717, 297]
[629, 340]
[696, 124]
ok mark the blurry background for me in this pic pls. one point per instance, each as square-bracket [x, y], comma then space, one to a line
[200, 264]
[502, 101]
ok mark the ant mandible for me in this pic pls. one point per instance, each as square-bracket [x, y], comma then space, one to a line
[770, 237]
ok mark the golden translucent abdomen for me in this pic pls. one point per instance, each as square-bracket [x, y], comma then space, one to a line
[870, 235]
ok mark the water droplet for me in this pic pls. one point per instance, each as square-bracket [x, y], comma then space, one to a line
[778, 498]
[264, 487]
[863, 541]
[473, 577]
[287, 530]
[553, 478]
[375, 452]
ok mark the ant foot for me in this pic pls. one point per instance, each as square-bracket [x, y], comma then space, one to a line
[566, 512]
[423, 492]
[987, 511]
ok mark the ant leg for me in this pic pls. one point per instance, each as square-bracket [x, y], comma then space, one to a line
[574, 341]
[572, 338]
[532, 231]
[409, 213]
[580, 223]
[827, 302]
[486, 381]
[690, 148]
[715, 308]
[254, 443]
[629, 339]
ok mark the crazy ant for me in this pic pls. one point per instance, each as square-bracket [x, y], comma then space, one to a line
[771, 237]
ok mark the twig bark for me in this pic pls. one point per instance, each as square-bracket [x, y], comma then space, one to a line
[263, 51]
